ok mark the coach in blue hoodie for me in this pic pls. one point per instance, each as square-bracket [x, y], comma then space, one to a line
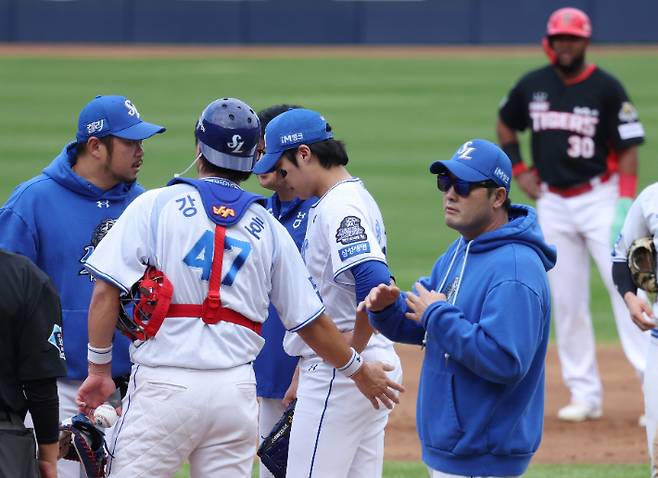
[56, 219]
[483, 316]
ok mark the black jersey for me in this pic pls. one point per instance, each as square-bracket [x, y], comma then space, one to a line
[576, 128]
[30, 320]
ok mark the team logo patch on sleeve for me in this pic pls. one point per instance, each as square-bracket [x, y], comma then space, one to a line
[354, 250]
[627, 113]
[56, 340]
[350, 231]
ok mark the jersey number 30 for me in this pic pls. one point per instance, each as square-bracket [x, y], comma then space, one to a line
[200, 256]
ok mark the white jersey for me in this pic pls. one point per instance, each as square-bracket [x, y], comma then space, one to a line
[345, 228]
[169, 229]
[641, 221]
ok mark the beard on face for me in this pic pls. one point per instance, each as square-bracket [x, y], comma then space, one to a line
[573, 67]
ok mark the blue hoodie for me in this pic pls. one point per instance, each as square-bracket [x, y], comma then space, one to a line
[56, 219]
[480, 407]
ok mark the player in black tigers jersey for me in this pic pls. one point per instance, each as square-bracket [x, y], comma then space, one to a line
[584, 134]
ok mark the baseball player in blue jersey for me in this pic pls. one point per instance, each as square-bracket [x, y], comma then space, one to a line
[209, 260]
[273, 367]
[335, 432]
[92, 180]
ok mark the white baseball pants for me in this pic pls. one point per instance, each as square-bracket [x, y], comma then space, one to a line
[336, 432]
[170, 415]
[579, 226]
[650, 388]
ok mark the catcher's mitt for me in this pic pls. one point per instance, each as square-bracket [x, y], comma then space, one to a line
[81, 441]
[642, 263]
[273, 452]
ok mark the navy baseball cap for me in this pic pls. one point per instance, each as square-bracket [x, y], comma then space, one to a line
[478, 160]
[289, 130]
[116, 116]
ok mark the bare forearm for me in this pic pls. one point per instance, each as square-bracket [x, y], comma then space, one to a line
[48, 452]
[505, 134]
[323, 337]
[628, 161]
[103, 313]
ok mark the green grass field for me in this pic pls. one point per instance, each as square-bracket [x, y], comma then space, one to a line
[396, 114]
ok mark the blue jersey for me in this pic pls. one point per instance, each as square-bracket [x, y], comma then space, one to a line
[274, 368]
[57, 219]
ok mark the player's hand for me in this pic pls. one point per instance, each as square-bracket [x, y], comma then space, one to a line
[291, 393]
[96, 389]
[640, 311]
[529, 182]
[417, 303]
[372, 381]
[381, 297]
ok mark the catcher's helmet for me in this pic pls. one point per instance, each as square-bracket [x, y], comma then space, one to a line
[228, 131]
[569, 21]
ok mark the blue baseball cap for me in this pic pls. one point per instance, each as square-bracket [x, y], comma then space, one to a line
[116, 116]
[478, 160]
[289, 130]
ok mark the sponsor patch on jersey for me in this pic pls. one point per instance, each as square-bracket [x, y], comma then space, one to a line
[354, 250]
[627, 113]
[56, 340]
[631, 130]
[223, 211]
[350, 231]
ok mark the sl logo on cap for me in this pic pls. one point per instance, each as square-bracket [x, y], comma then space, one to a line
[223, 211]
[132, 109]
[465, 150]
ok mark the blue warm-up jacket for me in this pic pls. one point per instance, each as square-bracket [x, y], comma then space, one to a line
[56, 219]
[480, 407]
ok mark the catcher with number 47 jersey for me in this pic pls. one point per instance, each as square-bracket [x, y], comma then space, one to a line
[192, 392]
[584, 133]
[637, 239]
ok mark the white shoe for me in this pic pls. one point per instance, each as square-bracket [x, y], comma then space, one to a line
[642, 421]
[579, 412]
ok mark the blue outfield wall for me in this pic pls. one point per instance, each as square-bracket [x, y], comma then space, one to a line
[243, 22]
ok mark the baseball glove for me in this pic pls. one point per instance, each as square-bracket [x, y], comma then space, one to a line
[642, 263]
[273, 452]
[81, 441]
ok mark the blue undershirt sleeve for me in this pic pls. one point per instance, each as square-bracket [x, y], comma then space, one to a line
[367, 275]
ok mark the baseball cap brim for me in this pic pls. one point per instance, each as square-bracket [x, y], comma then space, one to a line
[139, 131]
[458, 169]
[267, 163]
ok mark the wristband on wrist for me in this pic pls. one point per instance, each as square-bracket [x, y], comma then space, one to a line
[353, 364]
[627, 185]
[99, 355]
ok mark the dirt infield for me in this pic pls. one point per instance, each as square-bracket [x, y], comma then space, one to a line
[614, 439]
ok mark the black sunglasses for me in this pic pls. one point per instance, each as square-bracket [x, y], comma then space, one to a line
[463, 188]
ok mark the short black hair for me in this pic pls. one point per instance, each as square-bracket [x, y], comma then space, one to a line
[507, 205]
[80, 148]
[230, 174]
[330, 152]
[268, 114]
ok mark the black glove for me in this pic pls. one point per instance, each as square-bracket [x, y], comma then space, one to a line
[273, 452]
